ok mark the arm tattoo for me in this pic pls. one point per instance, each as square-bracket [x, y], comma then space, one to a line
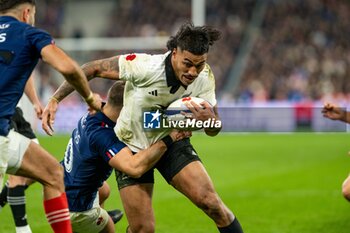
[64, 90]
[105, 68]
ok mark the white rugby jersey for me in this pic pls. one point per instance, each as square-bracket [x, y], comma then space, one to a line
[151, 85]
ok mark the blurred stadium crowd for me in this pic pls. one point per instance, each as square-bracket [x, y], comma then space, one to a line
[301, 54]
[301, 51]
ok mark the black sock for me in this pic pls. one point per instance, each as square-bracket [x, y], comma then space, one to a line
[234, 227]
[3, 196]
[17, 201]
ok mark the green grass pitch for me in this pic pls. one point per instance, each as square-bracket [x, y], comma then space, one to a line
[274, 183]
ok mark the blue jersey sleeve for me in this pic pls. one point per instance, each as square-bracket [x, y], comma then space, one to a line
[105, 142]
[38, 38]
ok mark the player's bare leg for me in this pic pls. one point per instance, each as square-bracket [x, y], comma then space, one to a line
[194, 182]
[137, 202]
[346, 188]
[103, 193]
[109, 228]
[39, 165]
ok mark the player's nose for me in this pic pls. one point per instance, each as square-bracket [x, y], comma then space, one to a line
[193, 72]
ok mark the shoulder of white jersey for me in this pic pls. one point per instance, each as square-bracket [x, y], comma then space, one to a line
[140, 67]
[206, 75]
[207, 72]
[141, 58]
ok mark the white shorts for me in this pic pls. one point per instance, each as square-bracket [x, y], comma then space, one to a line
[12, 149]
[90, 221]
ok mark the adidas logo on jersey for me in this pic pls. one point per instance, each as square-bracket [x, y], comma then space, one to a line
[155, 92]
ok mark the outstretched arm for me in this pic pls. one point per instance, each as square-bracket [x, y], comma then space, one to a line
[136, 165]
[105, 68]
[60, 61]
[334, 112]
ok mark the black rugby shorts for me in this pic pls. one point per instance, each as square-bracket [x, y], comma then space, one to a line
[20, 125]
[178, 156]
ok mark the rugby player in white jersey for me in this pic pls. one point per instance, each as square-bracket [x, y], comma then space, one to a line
[153, 82]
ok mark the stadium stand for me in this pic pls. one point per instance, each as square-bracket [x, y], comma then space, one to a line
[142, 18]
[301, 54]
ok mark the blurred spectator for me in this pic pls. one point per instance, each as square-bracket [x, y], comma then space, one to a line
[302, 52]
[50, 15]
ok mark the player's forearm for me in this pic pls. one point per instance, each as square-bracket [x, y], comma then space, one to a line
[216, 129]
[337, 113]
[104, 68]
[63, 91]
[78, 82]
[30, 91]
[212, 131]
[68, 68]
[146, 159]
[345, 117]
[66, 88]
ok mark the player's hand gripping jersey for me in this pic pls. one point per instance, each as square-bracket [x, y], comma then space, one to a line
[151, 85]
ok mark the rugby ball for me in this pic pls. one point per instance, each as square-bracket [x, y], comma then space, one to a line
[178, 111]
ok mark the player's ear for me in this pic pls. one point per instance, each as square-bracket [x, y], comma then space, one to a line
[174, 51]
[26, 15]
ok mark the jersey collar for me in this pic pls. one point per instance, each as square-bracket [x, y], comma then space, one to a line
[104, 118]
[171, 79]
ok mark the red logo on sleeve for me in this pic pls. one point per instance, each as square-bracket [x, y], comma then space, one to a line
[130, 57]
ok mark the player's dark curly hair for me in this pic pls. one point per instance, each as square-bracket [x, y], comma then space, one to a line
[116, 93]
[6, 5]
[196, 40]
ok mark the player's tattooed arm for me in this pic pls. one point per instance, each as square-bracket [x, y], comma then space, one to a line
[105, 68]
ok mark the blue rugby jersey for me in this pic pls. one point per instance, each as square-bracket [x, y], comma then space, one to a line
[20, 48]
[93, 143]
